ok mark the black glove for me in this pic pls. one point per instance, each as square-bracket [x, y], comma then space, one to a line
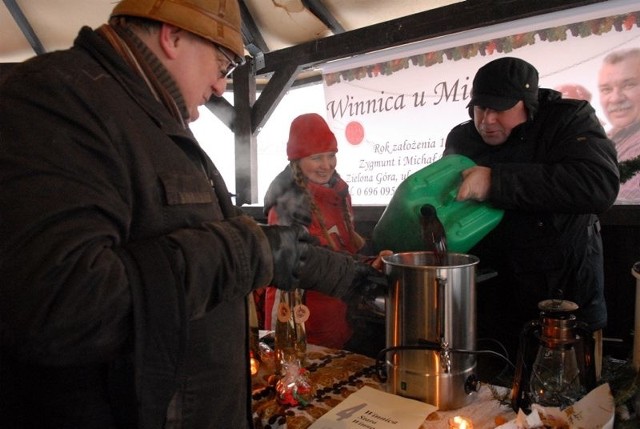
[368, 282]
[368, 289]
[289, 247]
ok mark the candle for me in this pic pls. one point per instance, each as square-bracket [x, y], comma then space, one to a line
[254, 364]
[459, 422]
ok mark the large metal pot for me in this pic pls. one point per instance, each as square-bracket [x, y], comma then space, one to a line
[430, 327]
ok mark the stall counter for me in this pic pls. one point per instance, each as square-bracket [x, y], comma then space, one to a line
[336, 374]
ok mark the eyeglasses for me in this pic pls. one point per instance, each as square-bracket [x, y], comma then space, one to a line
[225, 73]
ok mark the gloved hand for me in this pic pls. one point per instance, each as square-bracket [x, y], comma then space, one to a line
[368, 282]
[289, 246]
[367, 288]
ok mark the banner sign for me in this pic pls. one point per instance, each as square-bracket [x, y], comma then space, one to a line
[392, 111]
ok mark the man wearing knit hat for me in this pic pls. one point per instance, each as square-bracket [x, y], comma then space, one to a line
[310, 192]
[126, 268]
[548, 163]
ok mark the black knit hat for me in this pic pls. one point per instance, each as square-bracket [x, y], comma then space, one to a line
[500, 84]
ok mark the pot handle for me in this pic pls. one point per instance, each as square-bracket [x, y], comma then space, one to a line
[441, 290]
[445, 357]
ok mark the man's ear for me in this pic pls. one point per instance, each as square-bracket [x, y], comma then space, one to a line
[470, 111]
[169, 39]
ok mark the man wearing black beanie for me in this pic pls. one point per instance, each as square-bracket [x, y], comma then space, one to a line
[548, 163]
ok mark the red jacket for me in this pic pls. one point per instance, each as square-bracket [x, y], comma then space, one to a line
[285, 203]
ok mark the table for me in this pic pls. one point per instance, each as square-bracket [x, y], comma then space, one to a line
[336, 374]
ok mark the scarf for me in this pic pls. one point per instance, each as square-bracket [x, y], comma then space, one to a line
[148, 66]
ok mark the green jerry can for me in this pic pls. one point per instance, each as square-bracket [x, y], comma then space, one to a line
[465, 222]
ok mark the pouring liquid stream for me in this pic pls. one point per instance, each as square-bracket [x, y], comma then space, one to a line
[433, 234]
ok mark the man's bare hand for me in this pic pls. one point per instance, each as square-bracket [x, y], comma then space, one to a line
[476, 183]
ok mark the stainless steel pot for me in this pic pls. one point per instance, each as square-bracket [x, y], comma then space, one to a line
[430, 327]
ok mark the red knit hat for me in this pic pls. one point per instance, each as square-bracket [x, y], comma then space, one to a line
[309, 134]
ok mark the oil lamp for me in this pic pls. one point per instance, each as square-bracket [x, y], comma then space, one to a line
[555, 364]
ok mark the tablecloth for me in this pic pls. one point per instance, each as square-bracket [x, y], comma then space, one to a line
[336, 374]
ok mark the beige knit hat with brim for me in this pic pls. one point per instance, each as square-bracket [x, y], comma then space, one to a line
[215, 20]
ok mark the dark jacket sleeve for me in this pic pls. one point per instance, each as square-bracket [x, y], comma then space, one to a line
[577, 170]
[561, 162]
[162, 314]
[329, 272]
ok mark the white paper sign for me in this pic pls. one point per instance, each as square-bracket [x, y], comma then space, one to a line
[594, 411]
[369, 408]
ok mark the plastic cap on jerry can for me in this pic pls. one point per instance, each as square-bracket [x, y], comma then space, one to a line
[465, 222]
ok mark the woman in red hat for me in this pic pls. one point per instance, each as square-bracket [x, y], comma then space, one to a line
[309, 191]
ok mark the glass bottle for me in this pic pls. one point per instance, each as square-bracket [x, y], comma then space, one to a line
[290, 335]
[254, 334]
[433, 233]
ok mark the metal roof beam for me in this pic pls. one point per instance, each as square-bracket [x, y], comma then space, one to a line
[253, 40]
[25, 27]
[317, 8]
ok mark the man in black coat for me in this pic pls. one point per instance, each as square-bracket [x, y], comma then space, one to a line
[548, 163]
